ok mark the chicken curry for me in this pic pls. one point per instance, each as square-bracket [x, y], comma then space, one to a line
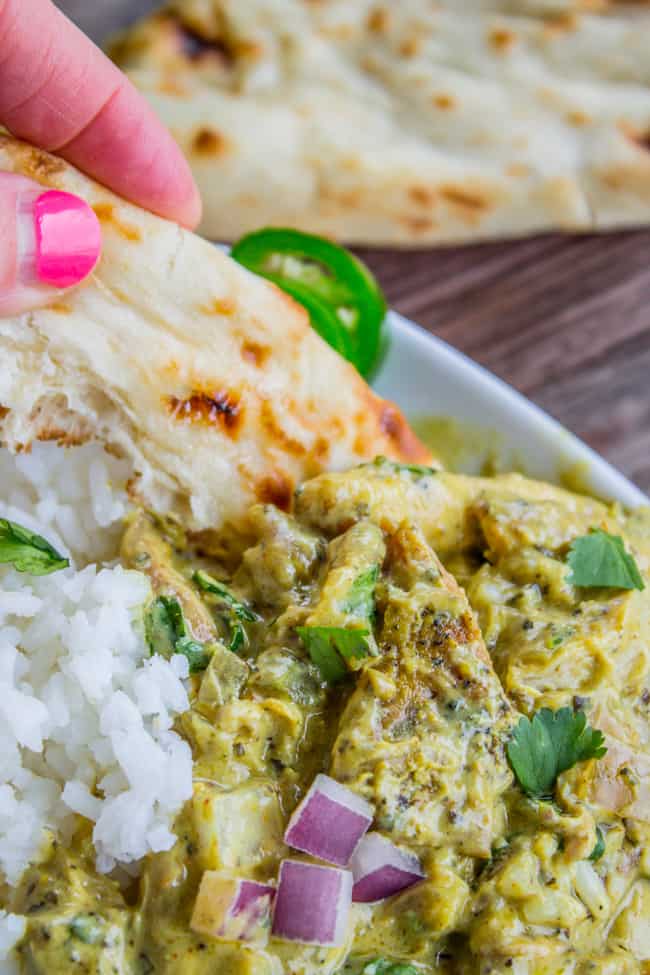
[468, 659]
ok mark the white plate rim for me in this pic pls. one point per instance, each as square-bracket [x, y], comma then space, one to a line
[551, 447]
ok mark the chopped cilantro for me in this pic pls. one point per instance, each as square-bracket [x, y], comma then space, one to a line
[167, 633]
[86, 928]
[380, 966]
[208, 584]
[27, 551]
[418, 470]
[599, 848]
[600, 559]
[159, 627]
[238, 638]
[237, 610]
[360, 600]
[196, 654]
[552, 742]
[329, 646]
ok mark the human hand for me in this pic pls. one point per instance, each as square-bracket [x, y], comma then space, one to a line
[59, 92]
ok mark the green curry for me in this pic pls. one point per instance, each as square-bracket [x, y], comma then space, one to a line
[391, 633]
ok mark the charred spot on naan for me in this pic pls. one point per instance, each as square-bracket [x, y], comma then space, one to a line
[276, 488]
[255, 353]
[105, 213]
[444, 101]
[578, 118]
[314, 454]
[40, 166]
[272, 426]
[379, 21]
[219, 306]
[393, 424]
[501, 39]
[410, 47]
[638, 137]
[196, 47]
[198, 44]
[220, 408]
[209, 142]
[417, 225]
[561, 23]
[463, 198]
[52, 421]
[422, 195]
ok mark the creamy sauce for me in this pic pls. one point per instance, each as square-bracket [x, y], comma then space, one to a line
[474, 624]
[464, 447]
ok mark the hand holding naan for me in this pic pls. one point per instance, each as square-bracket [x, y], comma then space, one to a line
[58, 91]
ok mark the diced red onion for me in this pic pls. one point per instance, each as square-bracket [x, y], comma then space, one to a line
[329, 822]
[312, 904]
[381, 869]
[232, 909]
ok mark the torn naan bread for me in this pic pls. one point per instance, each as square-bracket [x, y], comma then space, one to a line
[208, 378]
[404, 123]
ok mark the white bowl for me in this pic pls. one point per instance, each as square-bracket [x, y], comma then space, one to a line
[426, 377]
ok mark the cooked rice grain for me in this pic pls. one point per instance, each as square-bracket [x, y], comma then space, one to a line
[85, 713]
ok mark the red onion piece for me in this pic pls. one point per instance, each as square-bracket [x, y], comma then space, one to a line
[381, 869]
[232, 909]
[329, 822]
[312, 905]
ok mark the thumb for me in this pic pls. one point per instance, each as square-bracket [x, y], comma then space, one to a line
[49, 242]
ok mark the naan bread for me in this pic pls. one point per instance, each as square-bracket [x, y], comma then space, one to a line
[208, 378]
[405, 123]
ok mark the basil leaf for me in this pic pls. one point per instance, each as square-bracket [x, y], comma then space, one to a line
[27, 551]
[209, 584]
[167, 633]
[551, 743]
[326, 645]
[600, 559]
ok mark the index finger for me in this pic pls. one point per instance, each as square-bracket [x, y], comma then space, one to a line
[58, 91]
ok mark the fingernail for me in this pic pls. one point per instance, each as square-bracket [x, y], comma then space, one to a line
[68, 239]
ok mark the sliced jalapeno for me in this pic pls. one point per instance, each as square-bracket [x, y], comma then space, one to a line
[345, 304]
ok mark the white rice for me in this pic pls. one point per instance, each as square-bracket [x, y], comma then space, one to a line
[85, 713]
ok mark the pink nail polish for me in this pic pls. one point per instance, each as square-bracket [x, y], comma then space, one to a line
[68, 239]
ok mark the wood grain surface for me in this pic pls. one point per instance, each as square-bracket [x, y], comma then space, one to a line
[566, 320]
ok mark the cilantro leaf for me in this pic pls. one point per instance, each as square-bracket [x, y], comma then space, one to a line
[209, 584]
[196, 654]
[27, 551]
[238, 638]
[599, 848]
[167, 633]
[87, 928]
[327, 645]
[360, 600]
[380, 966]
[418, 470]
[600, 559]
[159, 628]
[237, 610]
[551, 743]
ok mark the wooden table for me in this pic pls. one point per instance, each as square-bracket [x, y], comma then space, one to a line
[565, 320]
